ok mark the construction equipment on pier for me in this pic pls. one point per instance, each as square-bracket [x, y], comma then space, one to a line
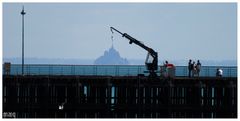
[151, 61]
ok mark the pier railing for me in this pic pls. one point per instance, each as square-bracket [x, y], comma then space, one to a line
[110, 70]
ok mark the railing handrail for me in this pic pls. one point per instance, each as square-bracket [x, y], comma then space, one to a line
[111, 65]
[114, 70]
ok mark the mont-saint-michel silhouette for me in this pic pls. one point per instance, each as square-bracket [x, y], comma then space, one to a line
[111, 57]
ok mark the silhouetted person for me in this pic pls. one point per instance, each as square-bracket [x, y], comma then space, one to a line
[189, 68]
[165, 69]
[193, 69]
[198, 67]
[219, 72]
[166, 62]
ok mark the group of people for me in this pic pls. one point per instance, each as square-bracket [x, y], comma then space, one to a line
[194, 68]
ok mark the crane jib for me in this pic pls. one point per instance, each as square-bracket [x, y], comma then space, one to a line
[111, 28]
[151, 63]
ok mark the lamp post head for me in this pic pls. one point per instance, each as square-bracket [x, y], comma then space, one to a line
[23, 12]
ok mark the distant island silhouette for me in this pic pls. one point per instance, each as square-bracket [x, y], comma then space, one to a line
[111, 57]
[79, 61]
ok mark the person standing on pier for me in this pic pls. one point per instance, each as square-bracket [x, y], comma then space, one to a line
[219, 72]
[189, 68]
[193, 68]
[198, 67]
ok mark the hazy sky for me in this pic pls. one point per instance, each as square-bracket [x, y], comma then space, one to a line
[176, 31]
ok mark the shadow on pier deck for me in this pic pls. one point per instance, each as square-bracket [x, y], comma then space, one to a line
[119, 97]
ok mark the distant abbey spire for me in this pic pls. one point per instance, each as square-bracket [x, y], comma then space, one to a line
[112, 41]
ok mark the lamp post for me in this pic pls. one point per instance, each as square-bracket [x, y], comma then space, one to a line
[23, 13]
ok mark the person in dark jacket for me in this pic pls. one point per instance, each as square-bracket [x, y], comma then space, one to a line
[198, 67]
[189, 68]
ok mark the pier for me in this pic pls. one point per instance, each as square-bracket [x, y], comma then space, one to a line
[75, 96]
[65, 72]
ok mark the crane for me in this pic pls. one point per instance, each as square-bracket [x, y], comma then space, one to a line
[151, 61]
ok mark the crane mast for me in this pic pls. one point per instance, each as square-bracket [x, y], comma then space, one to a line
[152, 57]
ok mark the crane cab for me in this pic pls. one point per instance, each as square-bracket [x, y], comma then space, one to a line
[151, 63]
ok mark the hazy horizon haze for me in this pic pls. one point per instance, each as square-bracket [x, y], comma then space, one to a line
[205, 31]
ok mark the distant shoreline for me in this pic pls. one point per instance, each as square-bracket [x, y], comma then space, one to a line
[131, 61]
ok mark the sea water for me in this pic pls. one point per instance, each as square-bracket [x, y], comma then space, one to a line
[112, 70]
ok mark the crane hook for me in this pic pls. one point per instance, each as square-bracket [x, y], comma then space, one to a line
[111, 30]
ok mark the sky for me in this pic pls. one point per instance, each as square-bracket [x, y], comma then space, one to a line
[205, 31]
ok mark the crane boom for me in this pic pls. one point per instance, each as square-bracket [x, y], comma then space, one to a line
[151, 62]
[132, 40]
